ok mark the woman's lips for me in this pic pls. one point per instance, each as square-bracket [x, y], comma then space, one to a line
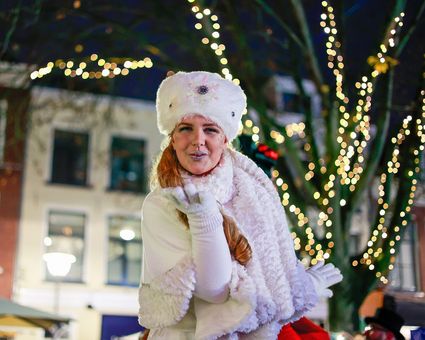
[197, 156]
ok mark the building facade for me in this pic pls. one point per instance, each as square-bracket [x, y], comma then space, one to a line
[86, 174]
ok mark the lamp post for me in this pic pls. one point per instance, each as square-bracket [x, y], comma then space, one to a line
[58, 265]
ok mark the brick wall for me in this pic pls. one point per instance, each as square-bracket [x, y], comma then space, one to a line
[11, 177]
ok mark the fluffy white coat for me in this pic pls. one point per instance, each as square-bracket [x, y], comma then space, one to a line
[271, 290]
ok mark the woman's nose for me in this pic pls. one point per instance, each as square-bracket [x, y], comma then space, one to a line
[198, 137]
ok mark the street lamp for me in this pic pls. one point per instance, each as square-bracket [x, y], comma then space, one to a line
[58, 265]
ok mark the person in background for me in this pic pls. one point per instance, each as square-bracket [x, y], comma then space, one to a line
[218, 257]
[385, 325]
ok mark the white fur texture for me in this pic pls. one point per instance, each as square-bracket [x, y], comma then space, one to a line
[203, 93]
[165, 301]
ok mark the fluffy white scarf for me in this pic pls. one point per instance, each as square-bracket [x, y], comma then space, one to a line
[283, 291]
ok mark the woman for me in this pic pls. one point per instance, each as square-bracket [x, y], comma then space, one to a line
[218, 256]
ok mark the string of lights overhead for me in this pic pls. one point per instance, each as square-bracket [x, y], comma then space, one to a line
[93, 67]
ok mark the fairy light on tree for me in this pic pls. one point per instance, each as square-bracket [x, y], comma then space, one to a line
[380, 232]
[208, 22]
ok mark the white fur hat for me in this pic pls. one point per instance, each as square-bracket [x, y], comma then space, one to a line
[204, 93]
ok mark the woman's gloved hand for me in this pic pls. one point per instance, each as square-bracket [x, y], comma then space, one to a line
[197, 205]
[324, 276]
[210, 251]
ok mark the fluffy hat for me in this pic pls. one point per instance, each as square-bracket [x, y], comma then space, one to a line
[203, 93]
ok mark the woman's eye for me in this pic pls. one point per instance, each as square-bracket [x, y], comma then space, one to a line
[211, 130]
[184, 128]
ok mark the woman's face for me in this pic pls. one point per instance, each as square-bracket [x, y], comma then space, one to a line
[199, 144]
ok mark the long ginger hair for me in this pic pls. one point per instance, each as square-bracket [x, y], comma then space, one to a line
[166, 174]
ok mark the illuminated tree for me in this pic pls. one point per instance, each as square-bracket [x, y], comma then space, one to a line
[323, 178]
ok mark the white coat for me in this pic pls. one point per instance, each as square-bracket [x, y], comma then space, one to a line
[270, 291]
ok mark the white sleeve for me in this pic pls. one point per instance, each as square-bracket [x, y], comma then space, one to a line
[168, 278]
[166, 240]
[174, 261]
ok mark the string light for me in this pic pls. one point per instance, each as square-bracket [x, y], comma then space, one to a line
[353, 140]
[295, 129]
[93, 67]
[392, 168]
[336, 64]
[335, 58]
[301, 217]
[354, 143]
[361, 133]
[383, 200]
[208, 22]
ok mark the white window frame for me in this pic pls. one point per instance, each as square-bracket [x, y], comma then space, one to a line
[66, 209]
[106, 240]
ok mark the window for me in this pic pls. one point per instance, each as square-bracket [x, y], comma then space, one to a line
[125, 250]
[3, 115]
[285, 100]
[403, 276]
[66, 235]
[127, 164]
[70, 157]
[354, 245]
[292, 102]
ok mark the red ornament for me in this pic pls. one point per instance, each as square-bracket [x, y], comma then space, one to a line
[272, 154]
[262, 148]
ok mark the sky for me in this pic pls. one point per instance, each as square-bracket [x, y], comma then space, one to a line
[41, 31]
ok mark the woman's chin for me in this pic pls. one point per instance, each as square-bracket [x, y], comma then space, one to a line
[199, 169]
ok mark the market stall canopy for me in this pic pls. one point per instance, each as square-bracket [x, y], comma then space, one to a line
[13, 314]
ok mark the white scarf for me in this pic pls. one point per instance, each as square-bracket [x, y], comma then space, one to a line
[283, 291]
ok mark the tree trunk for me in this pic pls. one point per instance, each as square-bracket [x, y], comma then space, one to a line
[343, 313]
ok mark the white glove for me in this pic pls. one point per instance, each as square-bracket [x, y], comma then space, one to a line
[200, 207]
[209, 246]
[323, 276]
